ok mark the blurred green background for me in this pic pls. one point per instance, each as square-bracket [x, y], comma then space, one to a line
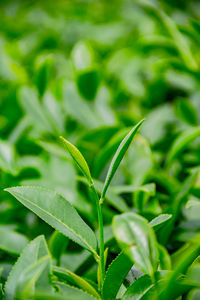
[90, 70]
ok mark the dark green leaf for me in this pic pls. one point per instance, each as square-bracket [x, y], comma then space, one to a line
[115, 275]
[139, 288]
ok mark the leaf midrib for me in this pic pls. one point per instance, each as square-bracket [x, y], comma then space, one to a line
[88, 246]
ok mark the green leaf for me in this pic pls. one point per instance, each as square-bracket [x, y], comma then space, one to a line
[11, 241]
[115, 275]
[186, 111]
[142, 195]
[164, 258]
[29, 276]
[118, 157]
[139, 288]
[182, 142]
[138, 240]
[57, 212]
[184, 258]
[8, 158]
[65, 293]
[68, 276]
[78, 158]
[33, 252]
[88, 82]
[57, 245]
[87, 76]
[29, 101]
[44, 70]
[159, 221]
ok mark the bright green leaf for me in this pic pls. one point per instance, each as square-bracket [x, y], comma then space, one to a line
[33, 252]
[118, 156]
[78, 158]
[57, 212]
[138, 240]
[160, 221]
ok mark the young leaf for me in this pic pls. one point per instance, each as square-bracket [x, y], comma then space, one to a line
[115, 275]
[12, 241]
[159, 221]
[87, 77]
[186, 111]
[44, 71]
[181, 143]
[138, 240]
[183, 261]
[33, 252]
[139, 288]
[78, 158]
[7, 158]
[68, 276]
[118, 157]
[57, 212]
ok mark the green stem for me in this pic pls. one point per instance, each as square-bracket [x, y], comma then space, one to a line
[101, 238]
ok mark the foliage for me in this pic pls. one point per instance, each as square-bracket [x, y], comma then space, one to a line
[99, 150]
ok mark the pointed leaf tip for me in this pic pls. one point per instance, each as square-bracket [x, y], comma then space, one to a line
[78, 158]
[119, 155]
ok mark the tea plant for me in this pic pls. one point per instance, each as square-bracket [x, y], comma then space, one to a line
[89, 71]
[35, 276]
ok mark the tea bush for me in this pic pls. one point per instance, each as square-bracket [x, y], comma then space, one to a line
[99, 150]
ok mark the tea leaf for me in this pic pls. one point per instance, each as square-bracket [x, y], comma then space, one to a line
[164, 258]
[68, 276]
[65, 292]
[186, 111]
[139, 288]
[181, 143]
[159, 221]
[78, 158]
[33, 252]
[44, 73]
[138, 240]
[8, 158]
[57, 212]
[115, 275]
[118, 157]
[183, 261]
[11, 241]
[86, 71]
[29, 276]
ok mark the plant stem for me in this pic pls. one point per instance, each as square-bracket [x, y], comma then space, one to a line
[101, 236]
